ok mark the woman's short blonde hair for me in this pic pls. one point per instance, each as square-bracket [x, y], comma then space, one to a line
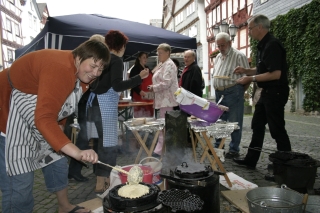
[97, 37]
[164, 46]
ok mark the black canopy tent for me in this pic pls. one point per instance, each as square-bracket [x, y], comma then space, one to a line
[67, 32]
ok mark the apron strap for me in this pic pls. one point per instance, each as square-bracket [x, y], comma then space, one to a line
[10, 82]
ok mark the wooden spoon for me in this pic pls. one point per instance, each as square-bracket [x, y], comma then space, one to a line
[133, 178]
[115, 168]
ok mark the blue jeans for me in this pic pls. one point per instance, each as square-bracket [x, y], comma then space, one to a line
[17, 191]
[233, 98]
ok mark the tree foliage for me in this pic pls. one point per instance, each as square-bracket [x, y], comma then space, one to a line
[299, 31]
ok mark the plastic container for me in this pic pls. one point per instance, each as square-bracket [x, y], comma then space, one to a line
[147, 173]
[211, 115]
[156, 166]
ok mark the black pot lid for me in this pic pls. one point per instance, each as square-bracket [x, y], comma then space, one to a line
[192, 170]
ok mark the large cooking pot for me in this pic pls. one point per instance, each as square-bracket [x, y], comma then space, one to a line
[296, 170]
[274, 200]
[199, 179]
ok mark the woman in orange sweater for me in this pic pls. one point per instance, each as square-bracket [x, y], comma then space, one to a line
[40, 89]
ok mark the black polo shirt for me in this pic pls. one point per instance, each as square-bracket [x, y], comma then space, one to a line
[271, 56]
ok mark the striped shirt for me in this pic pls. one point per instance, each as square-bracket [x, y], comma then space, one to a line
[225, 67]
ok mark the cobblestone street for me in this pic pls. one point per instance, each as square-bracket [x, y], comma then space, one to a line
[303, 132]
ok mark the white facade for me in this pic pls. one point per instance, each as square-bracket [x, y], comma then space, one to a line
[30, 21]
[11, 11]
[156, 22]
[20, 23]
[188, 18]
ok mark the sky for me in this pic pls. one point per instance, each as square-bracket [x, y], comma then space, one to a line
[134, 10]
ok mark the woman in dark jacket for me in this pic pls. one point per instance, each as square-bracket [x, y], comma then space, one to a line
[102, 106]
[139, 93]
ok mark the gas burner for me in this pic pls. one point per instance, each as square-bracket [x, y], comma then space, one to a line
[199, 179]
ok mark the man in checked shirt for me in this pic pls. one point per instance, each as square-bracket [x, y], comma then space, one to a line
[224, 84]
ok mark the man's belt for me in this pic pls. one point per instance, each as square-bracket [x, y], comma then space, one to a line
[222, 88]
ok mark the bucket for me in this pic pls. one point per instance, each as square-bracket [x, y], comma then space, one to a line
[156, 166]
[147, 173]
[274, 200]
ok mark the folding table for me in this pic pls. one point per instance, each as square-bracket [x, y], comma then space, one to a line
[152, 125]
[210, 131]
[125, 113]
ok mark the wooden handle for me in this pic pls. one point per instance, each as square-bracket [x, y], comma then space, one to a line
[115, 168]
[304, 202]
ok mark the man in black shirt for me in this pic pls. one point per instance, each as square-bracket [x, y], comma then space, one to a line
[270, 75]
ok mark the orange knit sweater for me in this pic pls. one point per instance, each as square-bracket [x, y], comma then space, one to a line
[50, 74]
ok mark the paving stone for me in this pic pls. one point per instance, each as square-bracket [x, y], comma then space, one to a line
[303, 132]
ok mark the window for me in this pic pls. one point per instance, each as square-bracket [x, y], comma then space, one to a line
[242, 4]
[166, 11]
[218, 14]
[9, 26]
[229, 8]
[31, 5]
[243, 38]
[30, 20]
[210, 18]
[10, 55]
[17, 29]
[224, 10]
[34, 23]
[214, 16]
[178, 18]
[191, 8]
[235, 7]
[263, 1]
[170, 27]
[193, 31]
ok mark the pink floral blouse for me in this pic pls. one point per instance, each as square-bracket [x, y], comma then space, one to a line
[164, 84]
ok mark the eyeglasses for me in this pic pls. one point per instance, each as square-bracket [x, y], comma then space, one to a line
[250, 28]
[221, 45]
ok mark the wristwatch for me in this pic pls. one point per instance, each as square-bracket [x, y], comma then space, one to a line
[254, 78]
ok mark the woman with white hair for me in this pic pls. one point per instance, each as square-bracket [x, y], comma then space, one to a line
[164, 85]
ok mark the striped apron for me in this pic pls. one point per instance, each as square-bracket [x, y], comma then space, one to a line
[26, 149]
